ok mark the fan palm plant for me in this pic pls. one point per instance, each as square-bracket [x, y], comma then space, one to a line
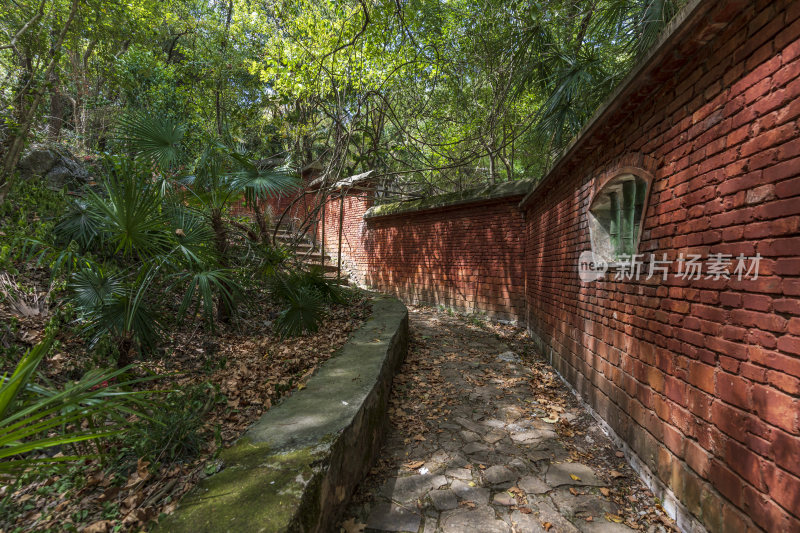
[218, 176]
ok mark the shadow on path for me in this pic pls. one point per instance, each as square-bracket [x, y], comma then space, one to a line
[485, 438]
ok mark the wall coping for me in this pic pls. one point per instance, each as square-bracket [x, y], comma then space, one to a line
[689, 29]
[297, 466]
[506, 189]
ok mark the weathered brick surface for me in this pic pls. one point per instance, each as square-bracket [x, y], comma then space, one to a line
[717, 361]
[468, 257]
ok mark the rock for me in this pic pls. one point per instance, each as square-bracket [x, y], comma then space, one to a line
[482, 519]
[525, 522]
[509, 357]
[38, 161]
[56, 165]
[389, 517]
[470, 494]
[459, 473]
[601, 525]
[498, 474]
[581, 506]
[548, 513]
[475, 447]
[410, 488]
[444, 499]
[469, 436]
[504, 498]
[534, 435]
[571, 474]
[494, 436]
[470, 425]
[533, 485]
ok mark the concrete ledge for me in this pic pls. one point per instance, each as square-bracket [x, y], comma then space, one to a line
[297, 466]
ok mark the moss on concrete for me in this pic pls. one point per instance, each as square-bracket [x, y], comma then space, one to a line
[257, 491]
[298, 464]
[492, 192]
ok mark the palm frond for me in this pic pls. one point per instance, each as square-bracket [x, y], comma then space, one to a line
[304, 312]
[155, 139]
[30, 413]
[205, 285]
[129, 214]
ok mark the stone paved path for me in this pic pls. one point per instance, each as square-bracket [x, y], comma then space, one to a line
[485, 438]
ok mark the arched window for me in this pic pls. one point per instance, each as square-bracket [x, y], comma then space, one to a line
[615, 216]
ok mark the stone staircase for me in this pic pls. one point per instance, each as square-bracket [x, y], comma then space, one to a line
[308, 253]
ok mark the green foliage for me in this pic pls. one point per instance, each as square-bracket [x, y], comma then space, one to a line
[28, 216]
[205, 286]
[154, 139]
[172, 431]
[305, 295]
[30, 413]
[129, 215]
[304, 311]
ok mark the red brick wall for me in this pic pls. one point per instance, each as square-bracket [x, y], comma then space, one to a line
[468, 257]
[354, 254]
[701, 378]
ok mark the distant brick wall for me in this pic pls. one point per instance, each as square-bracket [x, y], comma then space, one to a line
[468, 257]
[701, 378]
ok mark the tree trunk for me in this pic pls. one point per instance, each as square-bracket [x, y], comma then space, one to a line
[56, 119]
[222, 67]
[221, 244]
[261, 221]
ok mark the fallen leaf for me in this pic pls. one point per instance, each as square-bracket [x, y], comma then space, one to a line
[413, 465]
[620, 454]
[351, 526]
[574, 492]
[525, 510]
[613, 518]
[616, 474]
[469, 504]
[142, 470]
[547, 526]
[101, 526]
[552, 419]
[574, 477]
[589, 518]
[419, 438]
[604, 491]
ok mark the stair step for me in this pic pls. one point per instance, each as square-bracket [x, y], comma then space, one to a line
[328, 268]
[342, 281]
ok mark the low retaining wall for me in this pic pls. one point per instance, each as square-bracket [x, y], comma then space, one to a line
[295, 469]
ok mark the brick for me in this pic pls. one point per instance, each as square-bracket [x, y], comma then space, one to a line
[702, 376]
[789, 344]
[726, 482]
[745, 463]
[734, 390]
[776, 407]
[786, 450]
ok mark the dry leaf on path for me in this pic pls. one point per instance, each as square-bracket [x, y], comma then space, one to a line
[351, 526]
